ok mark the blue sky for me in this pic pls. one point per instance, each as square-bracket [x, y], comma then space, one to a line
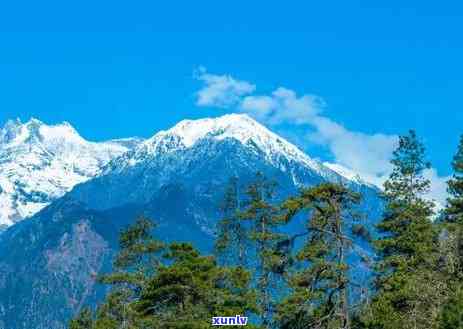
[117, 69]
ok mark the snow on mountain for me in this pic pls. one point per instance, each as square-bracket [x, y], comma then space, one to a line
[178, 177]
[39, 163]
[240, 127]
[347, 173]
[201, 155]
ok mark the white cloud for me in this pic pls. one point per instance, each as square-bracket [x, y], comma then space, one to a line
[283, 106]
[438, 192]
[366, 154]
[259, 107]
[220, 90]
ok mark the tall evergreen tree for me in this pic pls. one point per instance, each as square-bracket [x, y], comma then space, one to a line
[138, 257]
[193, 289]
[453, 218]
[136, 261]
[409, 286]
[171, 287]
[451, 316]
[319, 295]
[452, 245]
[232, 242]
[262, 217]
[454, 210]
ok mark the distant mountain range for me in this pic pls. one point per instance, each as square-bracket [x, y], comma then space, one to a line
[39, 163]
[48, 262]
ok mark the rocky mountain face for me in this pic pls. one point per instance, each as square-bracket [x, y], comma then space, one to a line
[48, 262]
[40, 163]
[203, 153]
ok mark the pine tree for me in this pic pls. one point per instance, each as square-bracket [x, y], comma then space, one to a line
[171, 287]
[452, 246]
[192, 289]
[319, 291]
[232, 239]
[409, 287]
[454, 210]
[452, 312]
[138, 259]
[84, 320]
[263, 218]
[452, 225]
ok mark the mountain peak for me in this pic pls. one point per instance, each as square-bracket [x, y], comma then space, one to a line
[17, 133]
[34, 121]
[13, 123]
[18, 124]
[238, 126]
[40, 162]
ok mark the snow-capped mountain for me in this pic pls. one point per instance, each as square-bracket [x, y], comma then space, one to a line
[40, 163]
[206, 153]
[239, 127]
[347, 173]
[233, 127]
[178, 177]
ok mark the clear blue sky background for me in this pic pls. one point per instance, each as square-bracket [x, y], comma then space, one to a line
[116, 69]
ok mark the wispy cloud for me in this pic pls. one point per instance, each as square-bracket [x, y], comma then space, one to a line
[220, 90]
[283, 106]
[438, 190]
[367, 154]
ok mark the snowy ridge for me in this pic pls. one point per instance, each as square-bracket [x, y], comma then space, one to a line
[239, 127]
[347, 173]
[39, 163]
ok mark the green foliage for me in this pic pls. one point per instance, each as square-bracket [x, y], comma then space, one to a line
[192, 290]
[248, 235]
[83, 320]
[319, 291]
[233, 241]
[452, 246]
[262, 217]
[454, 210]
[419, 267]
[137, 247]
[408, 230]
[409, 284]
[172, 287]
[138, 257]
[452, 313]
[406, 183]
[452, 226]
